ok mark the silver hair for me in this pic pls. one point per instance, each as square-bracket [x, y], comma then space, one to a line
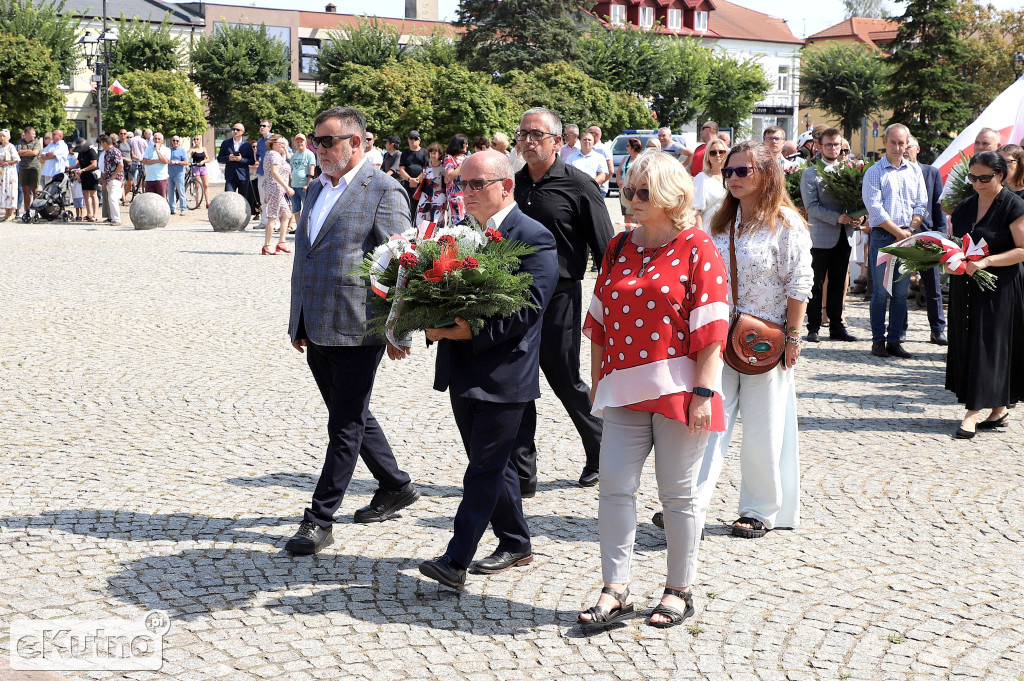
[911, 141]
[665, 129]
[552, 119]
[7, 132]
[896, 126]
[572, 128]
[987, 130]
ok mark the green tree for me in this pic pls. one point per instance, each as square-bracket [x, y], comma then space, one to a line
[578, 98]
[519, 34]
[439, 101]
[847, 81]
[142, 47]
[50, 25]
[625, 58]
[28, 80]
[235, 57]
[735, 86]
[872, 9]
[290, 108]
[440, 48]
[371, 43]
[925, 92]
[161, 100]
[684, 92]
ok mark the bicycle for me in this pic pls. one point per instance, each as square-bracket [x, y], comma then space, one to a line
[194, 193]
[139, 183]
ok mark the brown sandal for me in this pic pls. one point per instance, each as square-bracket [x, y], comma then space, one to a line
[602, 617]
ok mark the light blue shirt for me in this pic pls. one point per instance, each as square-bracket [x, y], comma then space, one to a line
[300, 163]
[896, 193]
[156, 171]
[592, 164]
[177, 155]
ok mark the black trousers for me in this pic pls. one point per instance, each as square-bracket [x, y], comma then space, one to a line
[835, 263]
[560, 362]
[490, 487]
[345, 377]
[232, 184]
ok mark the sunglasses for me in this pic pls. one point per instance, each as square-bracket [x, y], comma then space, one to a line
[476, 185]
[327, 141]
[984, 179]
[641, 194]
[718, 152]
[844, 152]
[237, 130]
[740, 172]
[414, 138]
[264, 125]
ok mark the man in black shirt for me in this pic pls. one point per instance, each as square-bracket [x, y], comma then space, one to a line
[410, 168]
[569, 203]
[391, 155]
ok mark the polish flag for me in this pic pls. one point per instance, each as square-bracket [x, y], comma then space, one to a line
[117, 88]
[1005, 114]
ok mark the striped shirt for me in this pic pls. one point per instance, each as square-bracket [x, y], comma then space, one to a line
[896, 193]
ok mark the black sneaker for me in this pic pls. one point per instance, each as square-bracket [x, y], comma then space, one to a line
[385, 505]
[310, 539]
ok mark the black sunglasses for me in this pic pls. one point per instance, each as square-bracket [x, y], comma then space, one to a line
[718, 152]
[984, 179]
[476, 185]
[327, 141]
[641, 194]
[844, 152]
[237, 130]
[740, 172]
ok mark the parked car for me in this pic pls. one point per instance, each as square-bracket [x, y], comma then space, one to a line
[619, 150]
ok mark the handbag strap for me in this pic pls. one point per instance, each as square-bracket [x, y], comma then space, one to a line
[732, 264]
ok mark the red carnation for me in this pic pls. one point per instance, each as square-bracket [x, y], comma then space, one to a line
[447, 240]
[469, 263]
[494, 235]
[408, 260]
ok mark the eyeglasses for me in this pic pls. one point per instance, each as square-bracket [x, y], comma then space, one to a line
[237, 130]
[718, 152]
[476, 185]
[830, 145]
[740, 172]
[264, 125]
[774, 139]
[641, 194]
[532, 135]
[327, 141]
[708, 127]
[984, 179]
[844, 152]
[369, 138]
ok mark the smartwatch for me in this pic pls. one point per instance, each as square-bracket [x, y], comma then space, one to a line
[704, 392]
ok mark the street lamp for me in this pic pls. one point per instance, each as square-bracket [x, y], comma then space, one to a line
[1017, 60]
[97, 53]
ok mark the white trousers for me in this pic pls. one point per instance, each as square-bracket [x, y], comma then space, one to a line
[626, 441]
[769, 452]
[113, 196]
[263, 207]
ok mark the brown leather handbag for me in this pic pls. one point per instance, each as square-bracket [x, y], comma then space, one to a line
[754, 345]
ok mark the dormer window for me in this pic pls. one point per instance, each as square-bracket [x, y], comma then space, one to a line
[675, 19]
[700, 21]
[646, 17]
[618, 15]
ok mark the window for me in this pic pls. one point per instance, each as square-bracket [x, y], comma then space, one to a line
[618, 15]
[783, 79]
[700, 21]
[309, 49]
[675, 19]
[646, 17]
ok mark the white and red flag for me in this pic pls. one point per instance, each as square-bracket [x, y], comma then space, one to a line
[1005, 115]
[117, 88]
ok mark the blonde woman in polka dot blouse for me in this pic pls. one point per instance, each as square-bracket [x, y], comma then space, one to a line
[774, 278]
[656, 323]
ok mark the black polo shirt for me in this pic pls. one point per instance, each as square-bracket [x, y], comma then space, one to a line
[569, 203]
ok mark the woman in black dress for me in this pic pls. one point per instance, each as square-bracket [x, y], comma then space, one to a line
[985, 363]
[87, 162]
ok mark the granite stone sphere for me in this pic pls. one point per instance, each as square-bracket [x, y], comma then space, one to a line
[149, 211]
[229, 212]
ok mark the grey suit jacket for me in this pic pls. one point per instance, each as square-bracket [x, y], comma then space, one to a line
[823, 212]
[332, 302]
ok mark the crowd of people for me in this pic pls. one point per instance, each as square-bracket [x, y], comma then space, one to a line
[695, 318]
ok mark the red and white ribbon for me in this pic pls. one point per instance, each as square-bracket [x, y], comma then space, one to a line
[425, 230]
[380, 265]
[954, 257]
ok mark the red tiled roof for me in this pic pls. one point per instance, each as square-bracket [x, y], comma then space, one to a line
[872, 32]
[732, 21]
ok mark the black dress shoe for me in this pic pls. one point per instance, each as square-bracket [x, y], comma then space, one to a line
[659, 519]
[444, 570]
[939, 338]
[310, 539]
[499, 561]
[878, 349]
[962, 434]
[841, 334]
[995, 423]
[896, 350]
[588, 478]
[384, 505]
[527, 491]
[812, 337]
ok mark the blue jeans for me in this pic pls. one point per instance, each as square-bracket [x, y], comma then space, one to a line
[176, 188]
[880, 297]
[297, 198]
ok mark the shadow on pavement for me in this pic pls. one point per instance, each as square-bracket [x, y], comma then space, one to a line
[307, 481]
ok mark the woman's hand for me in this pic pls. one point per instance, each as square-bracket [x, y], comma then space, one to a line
[699, 417]
[291, 192]
[792, 354]
[975, 265]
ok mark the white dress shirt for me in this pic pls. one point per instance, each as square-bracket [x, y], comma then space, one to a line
[494, 222]
[326, 199]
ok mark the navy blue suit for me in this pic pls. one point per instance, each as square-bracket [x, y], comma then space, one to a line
[490, 380]
[236, 173]
[935, 220]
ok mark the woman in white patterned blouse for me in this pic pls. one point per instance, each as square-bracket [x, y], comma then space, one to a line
[773, 261]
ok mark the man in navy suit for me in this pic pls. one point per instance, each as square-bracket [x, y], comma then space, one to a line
[491, 376]
[935, 220]
[350, 209]
[236, 155]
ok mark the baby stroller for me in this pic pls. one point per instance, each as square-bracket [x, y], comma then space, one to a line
[53, 202]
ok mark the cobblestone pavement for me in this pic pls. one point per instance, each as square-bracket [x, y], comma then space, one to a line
[160, 439]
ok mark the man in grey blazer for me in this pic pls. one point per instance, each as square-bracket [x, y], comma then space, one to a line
[350, 209]
[831, 242]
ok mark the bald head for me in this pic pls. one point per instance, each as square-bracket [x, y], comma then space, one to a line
[487, 182]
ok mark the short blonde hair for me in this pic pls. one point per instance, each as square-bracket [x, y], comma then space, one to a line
[715, 142]
[671, 187]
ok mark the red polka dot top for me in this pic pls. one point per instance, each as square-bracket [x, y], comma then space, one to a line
[653, 310]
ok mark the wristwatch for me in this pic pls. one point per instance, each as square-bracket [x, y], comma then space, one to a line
[704, 392]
